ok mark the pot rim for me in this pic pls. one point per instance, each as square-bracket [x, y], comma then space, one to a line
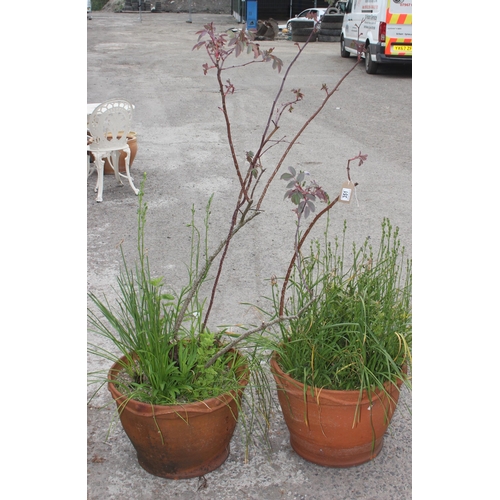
[191, 409]
[314, 395]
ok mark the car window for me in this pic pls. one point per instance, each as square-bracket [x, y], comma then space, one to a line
[306, 12]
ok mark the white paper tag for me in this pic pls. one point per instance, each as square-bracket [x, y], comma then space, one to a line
[346, 192]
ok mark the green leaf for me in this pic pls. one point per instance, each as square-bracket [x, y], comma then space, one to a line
[157, 281]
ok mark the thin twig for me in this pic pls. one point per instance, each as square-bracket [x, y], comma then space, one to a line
[263, 326]
[299, 133]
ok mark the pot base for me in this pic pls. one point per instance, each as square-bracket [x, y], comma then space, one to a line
[178, 441]
[167, 471]
[334, 428]
[331, 457]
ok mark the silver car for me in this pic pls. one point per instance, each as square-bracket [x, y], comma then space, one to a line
[305, 15]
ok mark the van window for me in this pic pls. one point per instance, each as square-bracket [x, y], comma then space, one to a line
[348, 7]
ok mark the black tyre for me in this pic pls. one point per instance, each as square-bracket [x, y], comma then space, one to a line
[327, 32]
[331, 26]
[343, 52]
[302, 31]
[370, 66]
[333, 19]
[302, 38]
[332, 10]
[326, 38]
[295, 25]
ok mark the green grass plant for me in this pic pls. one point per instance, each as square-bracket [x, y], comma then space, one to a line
[163, 364]
[357, 332]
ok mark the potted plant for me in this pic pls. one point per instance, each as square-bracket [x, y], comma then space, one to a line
[168, 365]
[339, 364]
[178, 413]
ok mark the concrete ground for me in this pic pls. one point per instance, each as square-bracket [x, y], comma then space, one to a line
[182, 147]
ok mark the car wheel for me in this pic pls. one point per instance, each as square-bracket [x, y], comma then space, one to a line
[370, 66]
[343, 52]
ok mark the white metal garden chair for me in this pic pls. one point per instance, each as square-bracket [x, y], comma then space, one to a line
[109, 125]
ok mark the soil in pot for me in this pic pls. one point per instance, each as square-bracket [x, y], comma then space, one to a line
[178, 442]
[334, 428]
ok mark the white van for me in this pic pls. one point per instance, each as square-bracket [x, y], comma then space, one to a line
[383, 29]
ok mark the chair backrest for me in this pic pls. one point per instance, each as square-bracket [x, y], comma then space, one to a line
[109, 125]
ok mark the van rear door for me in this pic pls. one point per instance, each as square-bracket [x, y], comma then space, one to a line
[398, 40]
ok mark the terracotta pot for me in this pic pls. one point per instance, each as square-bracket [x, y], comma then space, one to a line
[132, 143]
[178, 442]
[334, 428]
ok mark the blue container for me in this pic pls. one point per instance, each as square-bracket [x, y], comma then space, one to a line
[252, 15]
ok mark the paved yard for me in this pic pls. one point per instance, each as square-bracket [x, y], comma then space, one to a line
[182, 148]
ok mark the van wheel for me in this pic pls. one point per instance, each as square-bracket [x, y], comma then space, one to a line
[343, 52]
[370, 66]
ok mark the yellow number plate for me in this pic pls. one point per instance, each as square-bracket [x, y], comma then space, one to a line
[401, 48]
